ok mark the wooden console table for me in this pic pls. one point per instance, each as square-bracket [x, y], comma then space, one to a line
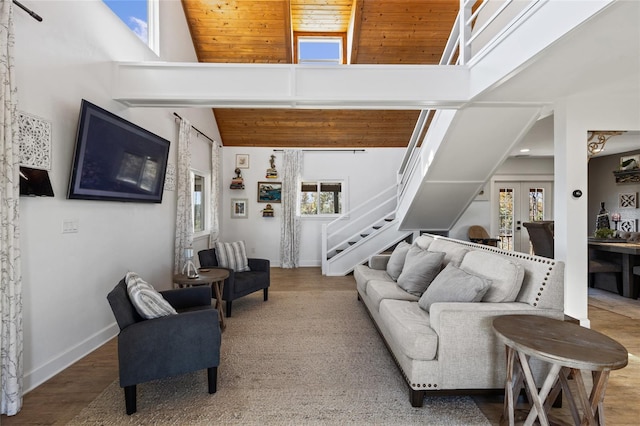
[569, 349]
[207, 276]
[629, 253]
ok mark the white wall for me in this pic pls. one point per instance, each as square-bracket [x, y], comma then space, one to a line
[611, 108]
[365, 175]
[66, 277]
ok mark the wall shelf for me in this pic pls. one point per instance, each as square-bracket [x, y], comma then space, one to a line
[627, 176]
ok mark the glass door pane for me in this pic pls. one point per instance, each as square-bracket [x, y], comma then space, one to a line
[506, 218]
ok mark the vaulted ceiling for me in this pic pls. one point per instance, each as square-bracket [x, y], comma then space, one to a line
[262, 31]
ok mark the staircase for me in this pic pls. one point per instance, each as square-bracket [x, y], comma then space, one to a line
[446, 166]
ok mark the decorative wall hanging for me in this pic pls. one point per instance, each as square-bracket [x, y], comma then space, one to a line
[628, 225]
[242, 161]
[269, 192]
[34, 139]
[628, 200]
[239, 208]
[170, 178]
[237, 182]
[267, 211]
[272, 173]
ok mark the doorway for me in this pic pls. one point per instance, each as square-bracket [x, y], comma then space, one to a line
[519, 202]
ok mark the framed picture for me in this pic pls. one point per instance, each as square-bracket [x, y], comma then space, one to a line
[239, 208]
[628, 200]
[269, 192]
[630, 162]
[242, 161]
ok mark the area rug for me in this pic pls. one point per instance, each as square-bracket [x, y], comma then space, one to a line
[301, 358]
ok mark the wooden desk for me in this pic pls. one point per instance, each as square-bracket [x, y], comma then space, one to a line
[569, 348]
[629, 251]
[207, 276]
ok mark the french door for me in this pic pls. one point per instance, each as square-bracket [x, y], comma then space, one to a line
[518, 202]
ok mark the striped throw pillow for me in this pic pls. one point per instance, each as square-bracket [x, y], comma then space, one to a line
[233, 256]
[147, 301]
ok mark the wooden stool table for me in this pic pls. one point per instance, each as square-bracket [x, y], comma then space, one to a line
[569, 348]
[207, 276]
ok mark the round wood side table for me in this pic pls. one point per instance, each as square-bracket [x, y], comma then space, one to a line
[569, 349]
[207, 276]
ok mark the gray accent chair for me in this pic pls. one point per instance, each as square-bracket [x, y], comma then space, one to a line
[240, 284]
[151, 349]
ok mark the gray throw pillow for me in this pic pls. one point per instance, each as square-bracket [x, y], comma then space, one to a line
[396, 261]
[147, 301]
[420, 268]
[454, 285]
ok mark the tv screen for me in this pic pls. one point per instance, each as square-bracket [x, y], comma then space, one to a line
[116, 160]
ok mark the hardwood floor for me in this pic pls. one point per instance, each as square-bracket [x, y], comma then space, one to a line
[62, 397]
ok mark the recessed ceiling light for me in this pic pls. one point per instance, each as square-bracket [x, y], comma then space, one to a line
[525, 150]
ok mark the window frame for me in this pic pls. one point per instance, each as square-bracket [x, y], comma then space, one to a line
[205, 202]
[297, 35]
[319, 182]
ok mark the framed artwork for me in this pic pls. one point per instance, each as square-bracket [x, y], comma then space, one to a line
[239, 208]
[242, 161]
[269, 192]
[628, 225]
[628, 200]
[630, 162]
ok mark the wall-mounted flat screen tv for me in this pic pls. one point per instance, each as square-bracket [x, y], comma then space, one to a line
[116, 160]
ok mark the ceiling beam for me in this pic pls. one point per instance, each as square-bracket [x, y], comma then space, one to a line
[165, 84]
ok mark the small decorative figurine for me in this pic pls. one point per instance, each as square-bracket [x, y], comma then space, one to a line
[272, 173]
[267, 211]
[237, 182]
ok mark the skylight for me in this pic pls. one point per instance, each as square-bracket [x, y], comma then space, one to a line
[140, 16]
[319, 50]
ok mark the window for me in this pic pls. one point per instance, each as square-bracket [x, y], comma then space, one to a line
[320, 49]
[321, 198]
[198, 200]
[141, 16]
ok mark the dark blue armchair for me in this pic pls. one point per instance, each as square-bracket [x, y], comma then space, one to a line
[150, 349]
[240, 284]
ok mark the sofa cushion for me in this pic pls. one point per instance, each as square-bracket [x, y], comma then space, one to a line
[423, 241]
[420, 268]
[147, 301]
[410, 328]
[364, 274]
[379, 290]
[396, 261]
[454, 285]
[232, 256]
[453, 252]
[506, 276]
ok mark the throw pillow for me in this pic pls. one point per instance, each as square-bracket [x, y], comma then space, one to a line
[396, 261]
[147, 301]
[506, 276]
[420, 268]
[454, 285]
[232, 256]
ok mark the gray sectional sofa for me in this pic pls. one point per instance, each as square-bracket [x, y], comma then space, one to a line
[442, 338]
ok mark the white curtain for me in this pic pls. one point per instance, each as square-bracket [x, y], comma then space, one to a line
[10, 272]
[214, 197]
[184, 191]
[290, 230]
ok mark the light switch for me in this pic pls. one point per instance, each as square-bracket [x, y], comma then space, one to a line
[70, 226]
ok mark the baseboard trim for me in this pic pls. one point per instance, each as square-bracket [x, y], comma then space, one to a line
[39, 375]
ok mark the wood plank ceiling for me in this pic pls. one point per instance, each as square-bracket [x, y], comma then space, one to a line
[263, 31]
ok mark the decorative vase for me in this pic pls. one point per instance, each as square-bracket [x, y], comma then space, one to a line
[602, 220]
[189, 269]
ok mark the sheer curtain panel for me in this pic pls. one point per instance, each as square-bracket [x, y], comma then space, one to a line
[11, 342]
[214, 198]
[290, 230]
[184, 193]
